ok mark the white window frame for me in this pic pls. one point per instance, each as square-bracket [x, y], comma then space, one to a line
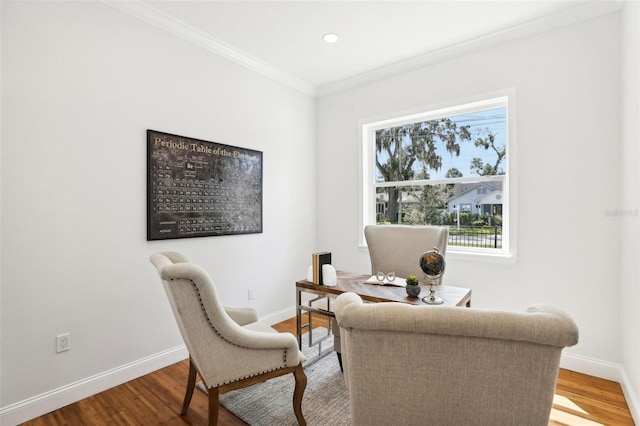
[367, 205]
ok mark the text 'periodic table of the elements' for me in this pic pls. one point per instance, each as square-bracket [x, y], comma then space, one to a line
[197, 188]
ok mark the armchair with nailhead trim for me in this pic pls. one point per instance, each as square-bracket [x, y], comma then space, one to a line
[228, 348]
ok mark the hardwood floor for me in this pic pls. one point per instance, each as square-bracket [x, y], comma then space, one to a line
[155, 399]
[587, 400]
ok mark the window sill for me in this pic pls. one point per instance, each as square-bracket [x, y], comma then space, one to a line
[469, 256]
[481, 256]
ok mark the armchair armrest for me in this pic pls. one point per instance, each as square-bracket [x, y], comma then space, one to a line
[242, 316]
[345, 300]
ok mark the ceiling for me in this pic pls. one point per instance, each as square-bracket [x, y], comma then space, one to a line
[283, 39]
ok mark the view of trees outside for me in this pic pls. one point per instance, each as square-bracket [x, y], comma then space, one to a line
[419, 166]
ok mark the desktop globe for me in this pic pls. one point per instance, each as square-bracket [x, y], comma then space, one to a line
[432, 264]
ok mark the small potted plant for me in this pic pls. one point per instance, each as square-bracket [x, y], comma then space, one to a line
[413, 286]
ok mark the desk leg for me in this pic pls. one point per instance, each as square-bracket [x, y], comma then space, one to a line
[299, 318]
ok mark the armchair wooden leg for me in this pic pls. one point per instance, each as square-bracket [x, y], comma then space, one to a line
[301, 384]
[214, 406]
[191, 384]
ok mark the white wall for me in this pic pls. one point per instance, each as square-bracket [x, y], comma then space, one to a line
[81, 83]
[630, 252]
[568, 171]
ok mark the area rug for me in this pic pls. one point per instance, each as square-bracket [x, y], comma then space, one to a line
[325, 401]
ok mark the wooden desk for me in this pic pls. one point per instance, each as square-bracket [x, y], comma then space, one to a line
[350, 282]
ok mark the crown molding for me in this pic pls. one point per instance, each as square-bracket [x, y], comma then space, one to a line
[151, 15]
[576, 14]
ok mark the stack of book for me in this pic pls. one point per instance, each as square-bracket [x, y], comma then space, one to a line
[317, 260]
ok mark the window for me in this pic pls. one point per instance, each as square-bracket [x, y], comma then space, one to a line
[448, 167]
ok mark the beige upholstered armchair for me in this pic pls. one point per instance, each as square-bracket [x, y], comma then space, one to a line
[398, 248]
[228, 348]
[417, 365]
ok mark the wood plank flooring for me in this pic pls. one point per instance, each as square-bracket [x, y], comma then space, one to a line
[156, 399]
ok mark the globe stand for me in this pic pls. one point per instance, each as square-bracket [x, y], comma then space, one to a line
[431, 299]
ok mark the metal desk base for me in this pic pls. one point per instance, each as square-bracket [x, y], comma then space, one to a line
[308, 326]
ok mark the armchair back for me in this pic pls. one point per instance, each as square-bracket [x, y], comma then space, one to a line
[417, 365]
[398, 248]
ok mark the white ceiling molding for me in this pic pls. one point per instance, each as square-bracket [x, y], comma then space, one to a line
[151, 15]
[166, 22]
[582, 12]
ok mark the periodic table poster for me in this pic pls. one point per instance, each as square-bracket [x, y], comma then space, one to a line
[197, 188]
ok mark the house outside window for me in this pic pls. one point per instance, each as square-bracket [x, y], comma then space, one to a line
[448, 167]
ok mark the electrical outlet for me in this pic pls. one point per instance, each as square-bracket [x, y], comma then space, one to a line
[63, 342]
[250, 294]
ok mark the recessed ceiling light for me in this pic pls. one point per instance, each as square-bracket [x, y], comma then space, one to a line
[330, 37]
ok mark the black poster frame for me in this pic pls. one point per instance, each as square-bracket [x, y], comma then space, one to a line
[198, 188]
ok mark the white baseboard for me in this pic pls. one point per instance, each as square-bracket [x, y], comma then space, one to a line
[49, 401]
[592, 367]
[279, 316]
[633, 400]
[38, 405]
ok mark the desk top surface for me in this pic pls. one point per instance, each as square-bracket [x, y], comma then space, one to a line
[351, 282]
